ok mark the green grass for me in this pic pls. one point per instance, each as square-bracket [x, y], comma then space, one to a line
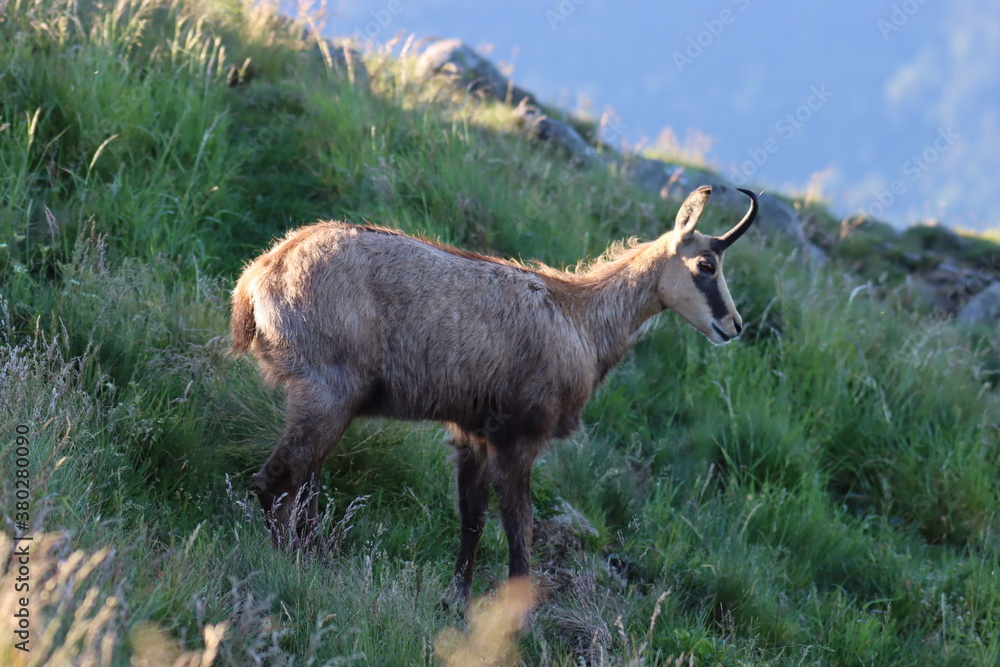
[822, 492]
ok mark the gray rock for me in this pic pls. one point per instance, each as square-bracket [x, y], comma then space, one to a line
[778, 217]
[940, 289]
[947, 288]
[983, 308]
[653, 175]
[455, 59]
[815, 256]
[574, 520]
[556, 133]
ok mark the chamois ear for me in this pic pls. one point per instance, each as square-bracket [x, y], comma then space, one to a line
[687, 217]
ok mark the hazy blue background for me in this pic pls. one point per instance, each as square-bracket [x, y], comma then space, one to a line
[890, 82]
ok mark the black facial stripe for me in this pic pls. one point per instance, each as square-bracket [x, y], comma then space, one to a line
[709, 287]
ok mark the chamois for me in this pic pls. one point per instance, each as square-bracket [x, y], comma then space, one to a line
[362, 320]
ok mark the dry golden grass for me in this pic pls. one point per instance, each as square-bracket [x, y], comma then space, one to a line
[494, 621]
[71, 621]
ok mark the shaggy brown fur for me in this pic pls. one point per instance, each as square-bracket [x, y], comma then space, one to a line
[368, 321]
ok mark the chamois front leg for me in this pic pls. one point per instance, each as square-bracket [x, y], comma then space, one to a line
[472, 471]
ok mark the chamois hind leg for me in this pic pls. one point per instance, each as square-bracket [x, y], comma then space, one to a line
[290, 479]
[513, 486]
[473, 473]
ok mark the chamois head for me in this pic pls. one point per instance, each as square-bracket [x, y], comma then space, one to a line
[692, 284]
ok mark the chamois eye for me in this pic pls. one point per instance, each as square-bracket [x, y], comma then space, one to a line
[706, 266]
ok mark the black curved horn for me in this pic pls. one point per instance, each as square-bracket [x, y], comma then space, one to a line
[727, 239]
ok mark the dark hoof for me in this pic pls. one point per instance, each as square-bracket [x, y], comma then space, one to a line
[456, 598]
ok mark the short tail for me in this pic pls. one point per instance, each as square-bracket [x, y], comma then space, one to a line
[242, 325]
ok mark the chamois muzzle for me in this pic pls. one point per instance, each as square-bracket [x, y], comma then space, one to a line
[730, 237]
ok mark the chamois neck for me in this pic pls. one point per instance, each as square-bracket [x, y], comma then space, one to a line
[618, 297]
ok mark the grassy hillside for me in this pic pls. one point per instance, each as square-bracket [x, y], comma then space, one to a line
[824, 491]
